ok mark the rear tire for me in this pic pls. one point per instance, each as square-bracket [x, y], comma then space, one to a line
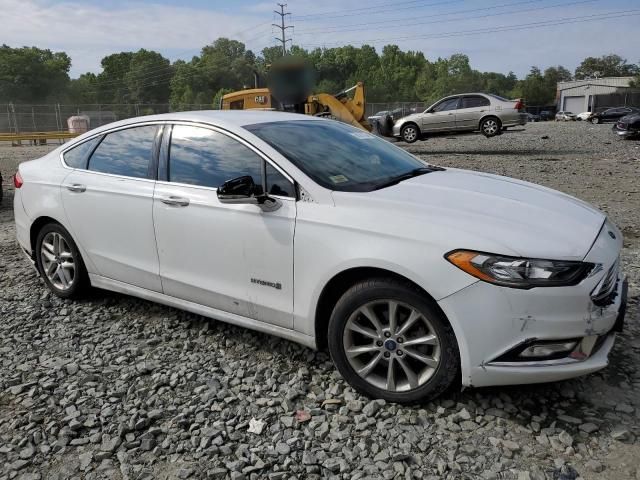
[406, 356]
[490, 127]
[59, 262]
[410, 133]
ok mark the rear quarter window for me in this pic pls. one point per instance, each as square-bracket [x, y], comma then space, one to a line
[77, 156]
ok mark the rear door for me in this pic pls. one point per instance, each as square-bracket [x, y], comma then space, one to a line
[441, 117]
[108, 201]
[470, 110]
[234, 258]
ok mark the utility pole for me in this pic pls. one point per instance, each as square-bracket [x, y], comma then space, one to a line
[282, 27]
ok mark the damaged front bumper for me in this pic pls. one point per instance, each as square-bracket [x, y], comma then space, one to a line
[499, 329]
[485, 353]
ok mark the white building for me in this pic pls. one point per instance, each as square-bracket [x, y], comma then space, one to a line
[586, 95]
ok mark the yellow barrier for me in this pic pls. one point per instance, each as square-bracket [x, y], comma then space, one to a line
[38, 137]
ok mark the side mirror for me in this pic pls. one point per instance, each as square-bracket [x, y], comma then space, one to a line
[238, 190]
[244, 191]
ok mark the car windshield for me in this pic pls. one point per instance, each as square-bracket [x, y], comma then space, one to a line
[338, 156]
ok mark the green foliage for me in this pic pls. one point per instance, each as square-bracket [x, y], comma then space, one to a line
[606, 66]
[30, 74]
[217, 98]
[146, 77]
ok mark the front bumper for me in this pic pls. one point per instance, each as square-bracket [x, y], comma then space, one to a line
[491, 322]
[489, 329]
[624, 132]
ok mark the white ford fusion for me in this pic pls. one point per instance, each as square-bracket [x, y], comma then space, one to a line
[413, 276]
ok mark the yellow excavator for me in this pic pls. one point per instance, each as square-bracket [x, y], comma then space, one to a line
[288, 91]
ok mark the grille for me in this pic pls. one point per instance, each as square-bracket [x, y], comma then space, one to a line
[605, 292]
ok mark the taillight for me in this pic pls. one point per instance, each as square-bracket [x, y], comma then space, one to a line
[17, 180]
[519, 105]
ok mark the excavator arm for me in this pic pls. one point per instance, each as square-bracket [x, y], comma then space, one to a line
[341, 106]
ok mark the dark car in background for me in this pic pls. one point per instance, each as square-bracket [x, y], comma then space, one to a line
[628, 126]
[546, 115]
[613, 114]
[0, 187]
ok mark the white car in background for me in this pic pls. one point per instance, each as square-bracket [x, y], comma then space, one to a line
[414, 276]
[584, 116]
[565, 117]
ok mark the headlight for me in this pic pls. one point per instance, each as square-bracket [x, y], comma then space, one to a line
[519, 272]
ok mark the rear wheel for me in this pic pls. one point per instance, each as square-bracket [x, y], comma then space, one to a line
[59, 262]
[389, 341]
[410, 133]
[490, 127]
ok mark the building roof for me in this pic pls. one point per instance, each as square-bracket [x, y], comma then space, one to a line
[616, 82]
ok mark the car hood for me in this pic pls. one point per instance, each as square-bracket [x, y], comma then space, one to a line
[463, 209]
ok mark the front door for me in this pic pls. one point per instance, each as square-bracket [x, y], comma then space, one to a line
[441, 117]
[234, 258]
[109, 206]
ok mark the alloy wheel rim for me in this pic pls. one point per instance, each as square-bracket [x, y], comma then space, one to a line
[58, 264]
[410, 133]
[391, 345]
[490, 126]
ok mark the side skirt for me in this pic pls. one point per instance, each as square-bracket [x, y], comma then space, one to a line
[121, 287]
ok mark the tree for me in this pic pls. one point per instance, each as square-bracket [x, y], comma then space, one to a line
[31, 74]
[606, 66]
[148, 76]
[536, 89]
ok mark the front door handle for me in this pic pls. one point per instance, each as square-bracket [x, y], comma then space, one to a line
[175, 201]
[76, 187]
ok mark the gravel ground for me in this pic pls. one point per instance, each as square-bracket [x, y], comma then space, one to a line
[114, 387]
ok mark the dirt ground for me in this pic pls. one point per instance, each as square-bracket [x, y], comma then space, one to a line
[583, 160]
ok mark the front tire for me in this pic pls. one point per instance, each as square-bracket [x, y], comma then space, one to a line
[490, 127]
[389, 341]
[59, 262]
[595, 120]
[410, 133]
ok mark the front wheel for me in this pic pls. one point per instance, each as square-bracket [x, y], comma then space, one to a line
[59, 262]
[490, 127]
[595, 120]
[410, 133]
[389, 341]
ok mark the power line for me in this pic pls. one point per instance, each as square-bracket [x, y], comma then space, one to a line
[367, 26]
[505, 28]
[282, 27]
[372, 10]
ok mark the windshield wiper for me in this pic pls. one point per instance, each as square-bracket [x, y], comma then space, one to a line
[405, 176]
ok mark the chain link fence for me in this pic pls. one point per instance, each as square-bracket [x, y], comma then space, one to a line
[21, 118]
[395, 109]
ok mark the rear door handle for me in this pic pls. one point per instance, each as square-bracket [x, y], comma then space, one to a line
[76, 187]
[175, 201]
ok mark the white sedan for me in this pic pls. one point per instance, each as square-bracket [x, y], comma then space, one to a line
[414, 276]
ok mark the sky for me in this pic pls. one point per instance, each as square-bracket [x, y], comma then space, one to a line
[497, 35]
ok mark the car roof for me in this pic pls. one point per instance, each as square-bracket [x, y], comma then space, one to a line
[222, 118]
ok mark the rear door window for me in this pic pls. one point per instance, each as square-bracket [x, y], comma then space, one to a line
[475, 101]
[125, 152]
